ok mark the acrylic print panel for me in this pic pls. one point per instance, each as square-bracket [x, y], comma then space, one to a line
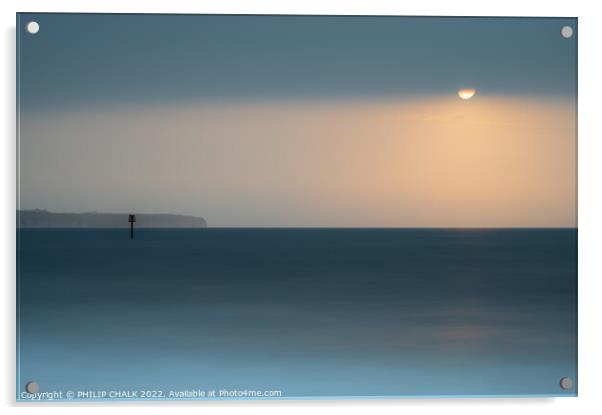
[285, 207]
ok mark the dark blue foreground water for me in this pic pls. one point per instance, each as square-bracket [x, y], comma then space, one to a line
[310, 312]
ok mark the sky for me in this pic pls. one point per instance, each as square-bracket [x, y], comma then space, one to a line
[300, 120]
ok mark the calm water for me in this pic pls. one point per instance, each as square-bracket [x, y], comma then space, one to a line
[310, 312]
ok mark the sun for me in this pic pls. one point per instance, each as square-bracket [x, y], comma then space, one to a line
[467, 93]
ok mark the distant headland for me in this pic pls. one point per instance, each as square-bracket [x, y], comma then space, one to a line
[39, 218]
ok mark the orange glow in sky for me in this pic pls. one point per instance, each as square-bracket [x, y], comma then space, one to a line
[433, 162]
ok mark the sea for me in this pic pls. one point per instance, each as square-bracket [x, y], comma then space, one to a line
[296, 313]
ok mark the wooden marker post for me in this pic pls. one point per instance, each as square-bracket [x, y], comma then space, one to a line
[131, 220]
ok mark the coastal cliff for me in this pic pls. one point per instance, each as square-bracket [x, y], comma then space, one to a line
[38, 218]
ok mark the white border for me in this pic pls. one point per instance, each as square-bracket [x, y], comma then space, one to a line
[590, 201]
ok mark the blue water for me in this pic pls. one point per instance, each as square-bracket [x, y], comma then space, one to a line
[309, 312]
